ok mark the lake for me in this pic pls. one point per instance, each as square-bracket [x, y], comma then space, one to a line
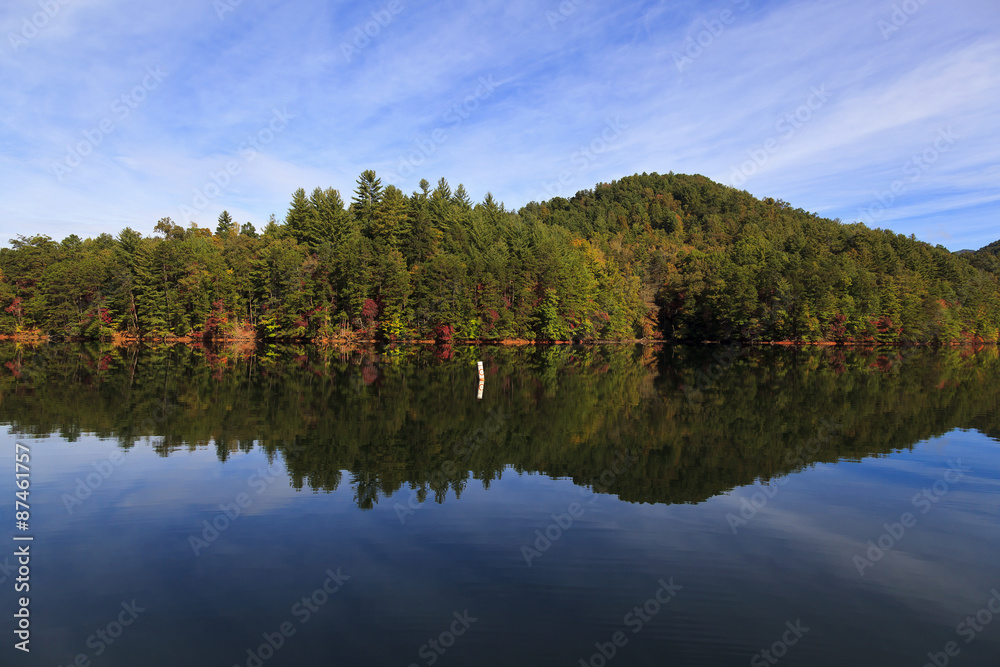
[608, 505]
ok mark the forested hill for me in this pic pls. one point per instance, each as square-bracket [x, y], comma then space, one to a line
[672, 256]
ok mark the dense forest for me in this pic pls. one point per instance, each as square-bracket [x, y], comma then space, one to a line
[651, 256]
[412, 420]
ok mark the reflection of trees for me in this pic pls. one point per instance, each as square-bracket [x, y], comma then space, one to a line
[408, 420]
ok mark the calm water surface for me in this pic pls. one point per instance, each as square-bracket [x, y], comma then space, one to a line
[597, 506]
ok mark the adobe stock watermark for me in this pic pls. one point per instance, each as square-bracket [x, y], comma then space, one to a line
[969, 628]
[586, 155]
[302, 611]
[899, 17]
[364, 33]
[565, 9]
[32, 25]
[121, 108]
[786, 126]
[219, 181]
[894, 533]
[458, 113]
[918, 165]
[103, 638]
[749, 507]
[223, 7]
[779, 649]
[85, 486]
[635, 620]
[694, 47]
[545, 538]
[434, 649]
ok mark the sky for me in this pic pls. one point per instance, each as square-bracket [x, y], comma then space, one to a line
[115, 114]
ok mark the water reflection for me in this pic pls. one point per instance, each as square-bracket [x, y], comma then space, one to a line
[742, 485]
[660, 426]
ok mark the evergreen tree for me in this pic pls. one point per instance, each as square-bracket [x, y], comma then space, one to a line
[226, 225]
[367, 197]
[335, 224]
[129, 250]
[302, 221]
[391, 223]
[492, 211]
[272, 229]
[443, 211]
[443, 190]
[461, 198]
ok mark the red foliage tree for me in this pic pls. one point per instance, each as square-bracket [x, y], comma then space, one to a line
[443, 334]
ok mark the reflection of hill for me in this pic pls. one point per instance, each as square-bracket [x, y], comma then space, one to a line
[397, 419]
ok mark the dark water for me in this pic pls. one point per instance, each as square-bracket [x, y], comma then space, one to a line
[605, 505]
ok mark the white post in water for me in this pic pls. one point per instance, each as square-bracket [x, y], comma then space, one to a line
[482, 380]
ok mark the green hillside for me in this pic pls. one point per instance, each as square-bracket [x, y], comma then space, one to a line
[650, 256]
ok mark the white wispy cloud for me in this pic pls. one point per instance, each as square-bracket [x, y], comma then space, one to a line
[563, 71]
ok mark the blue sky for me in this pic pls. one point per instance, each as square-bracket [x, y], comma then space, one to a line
[116, 114]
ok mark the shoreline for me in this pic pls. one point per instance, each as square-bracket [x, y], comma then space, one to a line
[224, 341]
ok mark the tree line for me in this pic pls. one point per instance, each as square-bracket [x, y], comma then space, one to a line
[649, 256]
